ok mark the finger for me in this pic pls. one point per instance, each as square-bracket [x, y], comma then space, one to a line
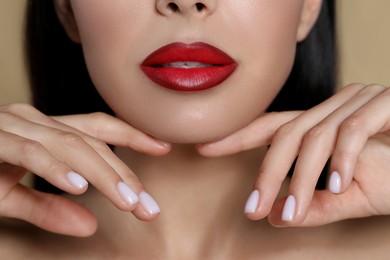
[326, 208]
[285, 147]
[116, 132]
[10, 175]
[317, 146]
[256, 134]
[74, 151]
[47, 211]
[125, 192]
[99, 125]
[261, 131]
[370, 119]
[148, 208]
[34, 157]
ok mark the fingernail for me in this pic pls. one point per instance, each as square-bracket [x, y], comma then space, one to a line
[149, 204]
[289, 209]
[127, 194]
[252, 202]
[76, 180]
[162, 143]
[335, 182]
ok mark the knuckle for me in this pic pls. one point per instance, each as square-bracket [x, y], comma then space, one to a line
[29, 150]
[316, 132]
[71, 139]
[30, 147]
[285, 130]
[353, 124]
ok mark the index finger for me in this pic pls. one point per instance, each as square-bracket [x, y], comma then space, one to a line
[258, 133]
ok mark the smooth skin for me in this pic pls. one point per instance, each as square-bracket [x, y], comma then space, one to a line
[342, 127]
[48, 149]
[226, 157]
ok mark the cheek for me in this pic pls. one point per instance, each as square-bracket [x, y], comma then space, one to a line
[112, 35]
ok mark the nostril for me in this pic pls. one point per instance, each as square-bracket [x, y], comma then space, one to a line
[173, 7]
[200, 6]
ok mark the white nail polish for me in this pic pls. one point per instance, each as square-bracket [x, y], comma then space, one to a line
[335, 182]
[289, 209]
[76, 180]
[252, 202]
[149, 204]
[127, 194]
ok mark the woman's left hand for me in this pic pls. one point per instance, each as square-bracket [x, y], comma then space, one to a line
[352, 127]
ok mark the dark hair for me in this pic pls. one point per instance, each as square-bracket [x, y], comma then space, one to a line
[60, 83]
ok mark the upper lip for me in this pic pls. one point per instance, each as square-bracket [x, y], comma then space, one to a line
[181, 52]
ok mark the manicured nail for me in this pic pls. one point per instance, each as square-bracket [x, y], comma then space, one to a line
[149, 204]
[252, 202]
[289, 209]
[335, 182]
[162, 143]
[127, 194]
[77, 180]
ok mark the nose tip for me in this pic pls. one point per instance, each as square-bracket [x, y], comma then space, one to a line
[185, 7]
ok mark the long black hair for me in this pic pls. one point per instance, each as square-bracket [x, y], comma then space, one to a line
[60, 83]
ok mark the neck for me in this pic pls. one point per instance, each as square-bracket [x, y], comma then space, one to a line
[201, 199]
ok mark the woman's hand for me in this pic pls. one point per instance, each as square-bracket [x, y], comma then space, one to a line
[69, 152]
[352, 127]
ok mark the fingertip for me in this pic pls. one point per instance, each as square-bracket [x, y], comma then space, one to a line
[87, 229]
[163, 144]
[253, 202]
[147, 209]
[70, 219]
[255, 208]
[78, 182]
[285, 213]
[335, 183]
[140, 213]
[202, 148]
[159, 147]
[275, 216]
[129, 198]
[210, 150]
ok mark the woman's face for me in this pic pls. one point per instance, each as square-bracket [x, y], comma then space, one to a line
[260, 36]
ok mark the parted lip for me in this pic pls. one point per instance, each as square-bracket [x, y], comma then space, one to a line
[188, 67]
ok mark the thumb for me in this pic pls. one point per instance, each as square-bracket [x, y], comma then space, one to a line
[50, 212]
[327, 208]
[256, 134]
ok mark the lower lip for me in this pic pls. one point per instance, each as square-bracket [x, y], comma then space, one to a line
[196, 79]
[188, 79]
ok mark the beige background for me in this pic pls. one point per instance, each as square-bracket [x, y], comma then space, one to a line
[364, 40]
[13, 82]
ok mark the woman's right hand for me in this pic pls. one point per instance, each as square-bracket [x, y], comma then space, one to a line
[69, 152]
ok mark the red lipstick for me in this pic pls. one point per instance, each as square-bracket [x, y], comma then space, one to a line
[188, 67]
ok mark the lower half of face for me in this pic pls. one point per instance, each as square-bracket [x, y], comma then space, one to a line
[260, 36]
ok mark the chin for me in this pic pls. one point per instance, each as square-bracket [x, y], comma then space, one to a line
[192, 135]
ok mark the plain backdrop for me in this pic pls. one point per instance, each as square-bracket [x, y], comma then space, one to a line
[364, 42]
